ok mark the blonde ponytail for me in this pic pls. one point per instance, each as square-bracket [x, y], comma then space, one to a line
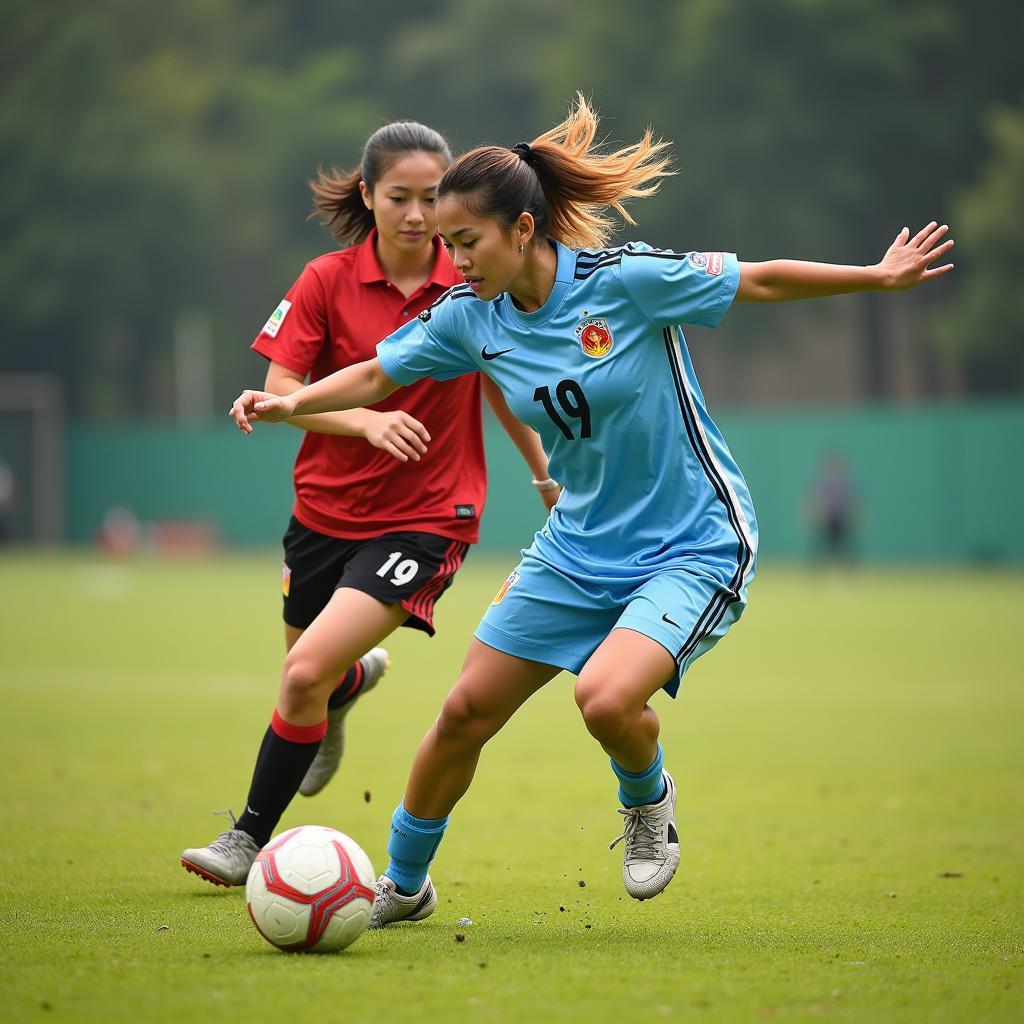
[561, 179]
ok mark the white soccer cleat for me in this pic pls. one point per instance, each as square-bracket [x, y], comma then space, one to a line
[226, 861]
[332, 746]
[652, 845]
[390, 905]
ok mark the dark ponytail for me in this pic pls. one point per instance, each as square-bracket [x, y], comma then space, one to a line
[337, 200]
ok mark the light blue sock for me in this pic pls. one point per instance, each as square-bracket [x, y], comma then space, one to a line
[646, 787]
[412, 846]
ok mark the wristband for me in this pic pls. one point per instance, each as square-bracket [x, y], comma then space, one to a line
[545, 485]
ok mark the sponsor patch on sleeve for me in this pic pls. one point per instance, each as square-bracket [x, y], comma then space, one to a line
[712, 263]
[273, 325]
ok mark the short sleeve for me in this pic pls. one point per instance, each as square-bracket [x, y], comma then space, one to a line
[681, 288]
[428, 346]
[296, 330]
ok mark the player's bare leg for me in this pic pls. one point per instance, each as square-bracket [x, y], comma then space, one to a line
[348, 611]
[491, 687]
[351, 624]
[612, 693]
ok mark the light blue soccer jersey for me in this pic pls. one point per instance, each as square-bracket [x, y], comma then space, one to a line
[602, 372]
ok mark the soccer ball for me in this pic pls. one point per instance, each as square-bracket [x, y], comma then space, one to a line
[311, 889]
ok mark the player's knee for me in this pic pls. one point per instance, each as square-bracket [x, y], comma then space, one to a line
[303, 679]
[461, 720]
[605, 713]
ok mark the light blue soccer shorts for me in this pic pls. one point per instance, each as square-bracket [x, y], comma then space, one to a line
[542, 613]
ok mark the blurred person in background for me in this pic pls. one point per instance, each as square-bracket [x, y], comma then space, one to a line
[120, 532]
[372, 545]
[833, 511]
[6, 502]
[645, 561]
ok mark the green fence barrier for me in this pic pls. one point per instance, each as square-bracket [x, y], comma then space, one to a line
[936, 484]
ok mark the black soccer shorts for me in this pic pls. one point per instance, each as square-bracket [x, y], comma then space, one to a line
[406, 567]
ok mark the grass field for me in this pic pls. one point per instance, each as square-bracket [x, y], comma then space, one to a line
[850, 772]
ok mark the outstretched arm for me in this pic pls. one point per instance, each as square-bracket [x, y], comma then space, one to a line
[351, 388]
[526, 440]
[907, 263]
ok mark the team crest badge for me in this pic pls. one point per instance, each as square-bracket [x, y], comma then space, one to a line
[595, 336]
[286, 578]
[513, 579]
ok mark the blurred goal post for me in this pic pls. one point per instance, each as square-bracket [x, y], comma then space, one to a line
[34, 402]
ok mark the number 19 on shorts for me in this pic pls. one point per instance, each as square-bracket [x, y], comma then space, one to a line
[400, 571]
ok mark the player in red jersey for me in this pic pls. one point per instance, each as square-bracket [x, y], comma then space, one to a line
[373, 542]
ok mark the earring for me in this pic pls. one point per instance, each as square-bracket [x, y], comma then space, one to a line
[521, 249]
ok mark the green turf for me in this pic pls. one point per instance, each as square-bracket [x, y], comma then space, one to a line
[849, 763]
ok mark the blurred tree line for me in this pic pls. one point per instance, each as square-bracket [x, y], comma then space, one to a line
[156, 158]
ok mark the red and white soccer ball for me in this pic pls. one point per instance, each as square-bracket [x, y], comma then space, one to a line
[311, 889]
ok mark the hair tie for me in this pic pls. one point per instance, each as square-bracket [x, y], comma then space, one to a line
[525, 152]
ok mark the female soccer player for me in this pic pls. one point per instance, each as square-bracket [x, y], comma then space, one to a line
[373, 543]
[645, 561]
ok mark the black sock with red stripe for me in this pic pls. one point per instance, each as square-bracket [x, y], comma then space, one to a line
[285, 755]
[349, 687]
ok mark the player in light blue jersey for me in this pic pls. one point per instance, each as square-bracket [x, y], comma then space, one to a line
[646, 558]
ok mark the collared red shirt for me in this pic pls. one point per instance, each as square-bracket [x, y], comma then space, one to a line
[333, 316]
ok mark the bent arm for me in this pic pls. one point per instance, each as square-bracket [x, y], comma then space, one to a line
[525, 438]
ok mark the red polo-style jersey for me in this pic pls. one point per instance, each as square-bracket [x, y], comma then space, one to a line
[333, 316]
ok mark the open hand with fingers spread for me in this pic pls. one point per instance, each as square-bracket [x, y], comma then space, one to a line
[250, 406]
[909, 260]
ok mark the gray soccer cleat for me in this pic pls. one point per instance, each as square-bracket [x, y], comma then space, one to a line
[652, 845]
[389, 905]
[226, 861]
[375, 663]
